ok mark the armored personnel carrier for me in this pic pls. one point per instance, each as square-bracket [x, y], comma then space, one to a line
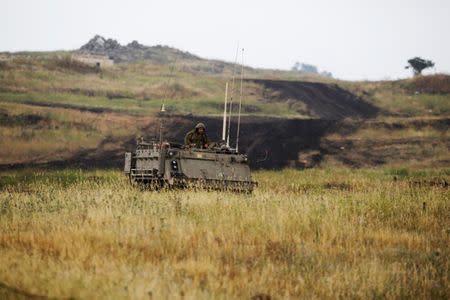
[219, 166]
[171, 165]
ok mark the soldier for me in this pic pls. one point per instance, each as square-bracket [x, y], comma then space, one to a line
[197, 137]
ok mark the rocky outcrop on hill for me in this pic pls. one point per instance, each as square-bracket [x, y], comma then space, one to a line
[133, 51]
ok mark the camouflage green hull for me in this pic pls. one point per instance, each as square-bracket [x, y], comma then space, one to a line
[176, 167]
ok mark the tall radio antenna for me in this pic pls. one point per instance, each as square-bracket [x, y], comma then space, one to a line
[240, 103]
[232, 94]
[163, 108]
[224, 128]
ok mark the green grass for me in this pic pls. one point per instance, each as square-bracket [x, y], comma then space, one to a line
[396, 97]
[138, 107]
[133, 106]
[139, 88]
[413, 105]
[59, 178]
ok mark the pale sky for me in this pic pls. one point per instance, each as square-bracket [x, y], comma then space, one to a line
[353, 39]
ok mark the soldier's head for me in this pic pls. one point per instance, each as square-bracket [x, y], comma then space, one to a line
[200, 128]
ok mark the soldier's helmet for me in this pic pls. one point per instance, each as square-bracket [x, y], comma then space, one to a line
[200, 125]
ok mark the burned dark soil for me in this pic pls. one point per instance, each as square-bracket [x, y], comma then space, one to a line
[274, 143]
[319, 100]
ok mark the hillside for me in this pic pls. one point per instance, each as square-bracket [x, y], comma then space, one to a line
[56, 111]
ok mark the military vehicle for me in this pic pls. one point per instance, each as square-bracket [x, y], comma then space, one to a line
[173, 165]
[158, 164]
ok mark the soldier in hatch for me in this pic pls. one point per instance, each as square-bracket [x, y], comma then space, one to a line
[197, 137]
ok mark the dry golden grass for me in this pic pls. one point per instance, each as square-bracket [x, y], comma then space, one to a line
[303, 234]
[421, 96]
[436, 84]
[58, 133]
[383, 134]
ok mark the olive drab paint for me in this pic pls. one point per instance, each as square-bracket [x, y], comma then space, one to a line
[176, 166]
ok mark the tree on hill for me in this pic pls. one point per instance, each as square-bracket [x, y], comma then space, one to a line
[419, 64]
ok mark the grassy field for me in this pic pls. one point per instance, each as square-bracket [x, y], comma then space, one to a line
[319, 233]
[423, 96]
[35, 134]
[328, 232]
[53, 108]
[138, 88]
